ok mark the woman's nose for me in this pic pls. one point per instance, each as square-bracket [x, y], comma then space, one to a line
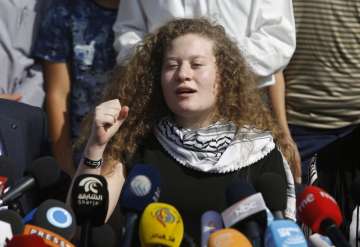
[185, 72]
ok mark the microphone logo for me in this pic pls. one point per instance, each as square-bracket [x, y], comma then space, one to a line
[164, 216]
[59, 217]
[140, 185]
[90, 184]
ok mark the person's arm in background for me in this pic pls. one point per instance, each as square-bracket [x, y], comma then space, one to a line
[129, 28]
[53, 49]
[57, 87]
[278, 105]
[272, 38]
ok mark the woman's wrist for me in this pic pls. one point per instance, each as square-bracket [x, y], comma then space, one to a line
[94, 152]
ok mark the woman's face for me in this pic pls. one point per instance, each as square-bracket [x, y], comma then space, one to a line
[189, 80]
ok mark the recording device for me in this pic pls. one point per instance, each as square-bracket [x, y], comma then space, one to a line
[10, 224]
[57, 217]
[141, 187]
[318, 210]
[89, 200]
[247, 212]
[161, 224]
[211, 221]
[42, 173]
[273, 190]
[228, 237]
[284, 233]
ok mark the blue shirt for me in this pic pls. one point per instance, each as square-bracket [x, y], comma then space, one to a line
[79, 32]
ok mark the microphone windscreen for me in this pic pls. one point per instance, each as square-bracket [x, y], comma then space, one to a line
[314, 205]
[238, 190]
[161, 224]
[355, 190]
[102, 236]
[211, 221]
[228, 237]
[141, 187]
[26, 241]
[273, 189]
[45, 170]
[90, 199]
[284, 233]
[57, 217]
[13, 219]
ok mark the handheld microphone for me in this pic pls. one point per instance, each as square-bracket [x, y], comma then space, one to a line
[89, 200]
[26, 241]
[284, 233]
[211, 221]
[161, 224]
[318, 210]
[273, 190]
[42, 173]
[248, 211]
[57, 217]
[228, 237]
[50, 238]
[141, 187]
[13, 219]
[102, 236]
[318, 240]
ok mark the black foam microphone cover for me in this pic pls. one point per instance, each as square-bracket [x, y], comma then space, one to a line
[90, 199]
[45, 170]
[13, 219]
[273, 189]
[57, 217]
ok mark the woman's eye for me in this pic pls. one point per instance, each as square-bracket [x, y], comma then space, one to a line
[197, 65]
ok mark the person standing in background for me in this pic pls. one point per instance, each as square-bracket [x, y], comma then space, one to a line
[317, 99]
[75, 46]
[21, 78]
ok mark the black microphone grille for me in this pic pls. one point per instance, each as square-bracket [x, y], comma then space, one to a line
[45, 170]
[13, 219]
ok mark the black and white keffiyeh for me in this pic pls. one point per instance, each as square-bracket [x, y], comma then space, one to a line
[220, 148]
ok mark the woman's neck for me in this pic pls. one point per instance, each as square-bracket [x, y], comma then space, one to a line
[193, 123]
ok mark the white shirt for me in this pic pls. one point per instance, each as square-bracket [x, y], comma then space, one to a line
[263, 29]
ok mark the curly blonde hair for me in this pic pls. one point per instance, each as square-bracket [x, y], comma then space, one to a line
[138, 85]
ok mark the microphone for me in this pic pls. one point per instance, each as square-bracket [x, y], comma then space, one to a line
[318, 210]
[50, 238]
[43, 172]
[26, 241]
[248, 211]
[141, 187]
[228, 237]
[102, 236]
[13, 219]
[284, 233]
[273, 190]
[57, 217]
[318, 240]
[211, 221]
[89, 200]
[161, 224]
